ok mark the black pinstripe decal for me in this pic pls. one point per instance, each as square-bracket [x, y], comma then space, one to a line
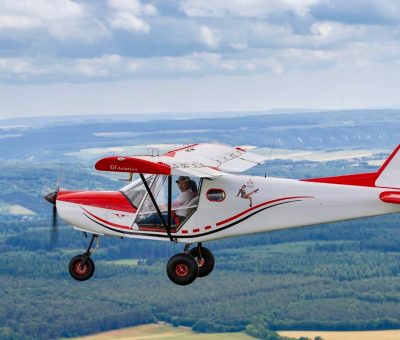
[190, 236]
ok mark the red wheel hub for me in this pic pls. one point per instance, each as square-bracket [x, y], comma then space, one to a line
[79, 269]
[200, 261]
[181, 269]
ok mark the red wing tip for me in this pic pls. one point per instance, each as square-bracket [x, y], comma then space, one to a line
[132, 165]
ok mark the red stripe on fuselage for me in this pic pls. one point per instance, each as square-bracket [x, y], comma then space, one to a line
[109, 223]
[257, 206]
[113, 200]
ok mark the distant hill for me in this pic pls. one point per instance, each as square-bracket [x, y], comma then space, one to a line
[53, 140]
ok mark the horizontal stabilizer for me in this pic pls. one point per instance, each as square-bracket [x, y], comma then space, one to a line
[390, 197]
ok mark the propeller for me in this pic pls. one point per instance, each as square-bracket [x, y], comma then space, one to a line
[52, 198]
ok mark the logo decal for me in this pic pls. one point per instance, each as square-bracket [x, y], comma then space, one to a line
[247, 195]
[120, 215]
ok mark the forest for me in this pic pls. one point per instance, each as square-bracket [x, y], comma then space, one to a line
[341, 276]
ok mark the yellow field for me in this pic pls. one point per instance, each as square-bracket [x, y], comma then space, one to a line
[125, 262]
[160, 331]
[366, 335]
[14, 209]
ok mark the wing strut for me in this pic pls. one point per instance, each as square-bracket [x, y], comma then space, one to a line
[167, 227]
[169, 206]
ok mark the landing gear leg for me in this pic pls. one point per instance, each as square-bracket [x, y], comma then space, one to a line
[81, 267]
[204, 258]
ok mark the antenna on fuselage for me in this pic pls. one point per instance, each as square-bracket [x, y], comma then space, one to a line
[269, 158]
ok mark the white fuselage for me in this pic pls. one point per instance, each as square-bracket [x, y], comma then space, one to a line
[277, 204]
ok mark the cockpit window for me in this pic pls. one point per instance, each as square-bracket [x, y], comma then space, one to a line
[185, 199]
[136, 191]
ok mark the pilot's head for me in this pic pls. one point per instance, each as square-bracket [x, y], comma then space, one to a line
[183, 183]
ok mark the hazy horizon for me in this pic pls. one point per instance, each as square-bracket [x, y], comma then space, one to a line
[184, 115]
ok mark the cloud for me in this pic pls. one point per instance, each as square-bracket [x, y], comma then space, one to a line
[63, 19]
[238, 45]
[133, 6]
[74, 41]
[126, 15]
[371, 12]
[19, 22]
[17, 66]
[46, 10]
[98, 67]
[129, 22]
[209, 37]
[248, 8]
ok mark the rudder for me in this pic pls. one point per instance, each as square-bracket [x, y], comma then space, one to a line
[389, 173]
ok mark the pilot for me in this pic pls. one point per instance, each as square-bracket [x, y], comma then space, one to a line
[184, 198]
[181, 205]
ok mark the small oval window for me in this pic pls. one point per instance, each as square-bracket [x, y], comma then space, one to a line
[216, 195]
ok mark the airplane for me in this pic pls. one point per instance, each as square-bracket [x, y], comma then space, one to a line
[196, 193]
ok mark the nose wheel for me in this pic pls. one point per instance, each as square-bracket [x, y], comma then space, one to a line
[184, 268]
[81, 267]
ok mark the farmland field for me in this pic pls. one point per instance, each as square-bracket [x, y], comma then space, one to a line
[160, 331]
[365, 335]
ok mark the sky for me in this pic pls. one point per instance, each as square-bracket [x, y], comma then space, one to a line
[65, 57]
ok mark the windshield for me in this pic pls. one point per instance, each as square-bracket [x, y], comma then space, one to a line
[136, 191]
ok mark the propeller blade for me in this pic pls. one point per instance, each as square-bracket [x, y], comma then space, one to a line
[52, 198]
[54, 217]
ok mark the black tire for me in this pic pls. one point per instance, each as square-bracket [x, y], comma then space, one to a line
[207, 265]
[79, 272]
[182, 269]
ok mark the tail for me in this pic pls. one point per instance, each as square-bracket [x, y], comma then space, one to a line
[389, 173]
[388, 176]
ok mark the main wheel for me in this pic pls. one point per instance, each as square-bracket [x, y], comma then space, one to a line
[182, 269]
[206, 262]
[81, 272]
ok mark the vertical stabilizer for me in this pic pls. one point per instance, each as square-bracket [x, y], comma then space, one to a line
[389, 173]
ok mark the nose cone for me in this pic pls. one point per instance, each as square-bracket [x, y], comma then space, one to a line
[51, 197]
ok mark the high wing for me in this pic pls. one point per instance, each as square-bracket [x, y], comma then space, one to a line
[200, 160]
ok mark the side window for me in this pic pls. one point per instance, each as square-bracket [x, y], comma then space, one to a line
[215, 195]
